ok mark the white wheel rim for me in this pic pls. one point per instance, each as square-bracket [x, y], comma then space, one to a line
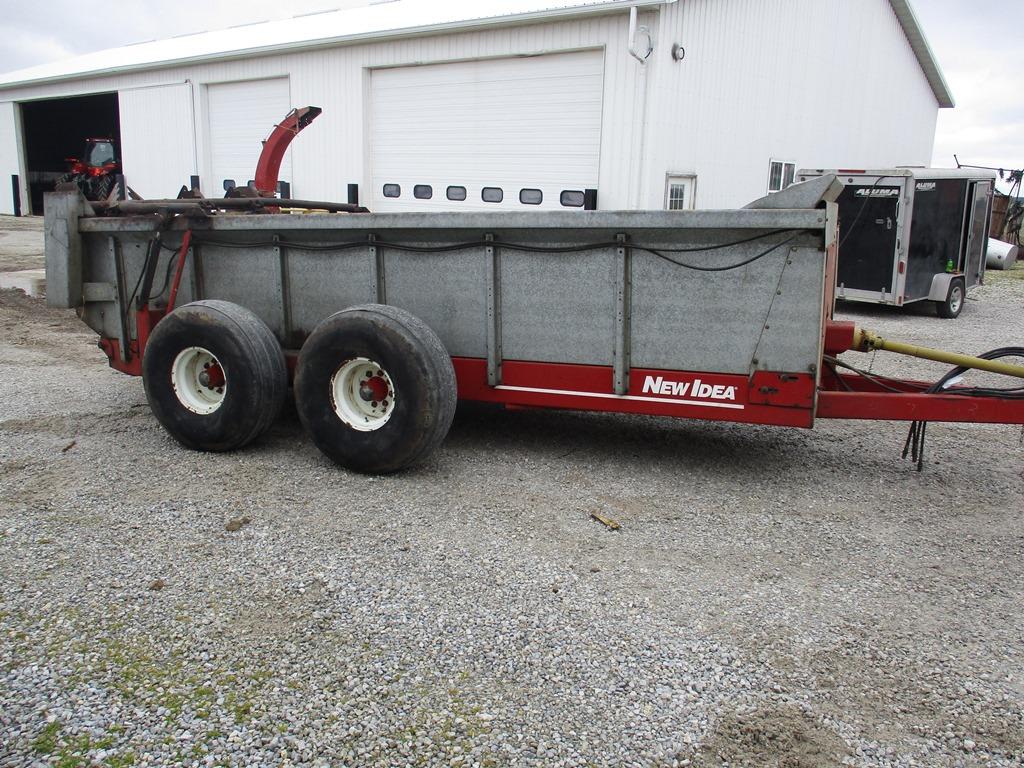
[363, 394]
[199, 380]
[956, 298]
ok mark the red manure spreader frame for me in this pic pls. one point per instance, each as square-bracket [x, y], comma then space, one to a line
[381, 322]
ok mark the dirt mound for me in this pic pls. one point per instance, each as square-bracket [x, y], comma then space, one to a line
[779, 737]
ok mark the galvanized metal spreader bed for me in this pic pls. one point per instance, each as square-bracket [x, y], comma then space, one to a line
[384, 320]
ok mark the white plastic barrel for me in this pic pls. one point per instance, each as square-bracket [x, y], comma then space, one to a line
[1001, 255]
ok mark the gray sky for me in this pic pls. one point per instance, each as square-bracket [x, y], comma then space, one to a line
[978, 46]
[975, 41]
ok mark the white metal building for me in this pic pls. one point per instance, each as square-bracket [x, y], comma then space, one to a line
[498, 104]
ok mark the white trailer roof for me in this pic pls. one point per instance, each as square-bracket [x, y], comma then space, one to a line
[383, 20]
[907, 172]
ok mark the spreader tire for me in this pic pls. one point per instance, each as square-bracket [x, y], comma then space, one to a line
[954, 302]
[375, 388]
[200, 346]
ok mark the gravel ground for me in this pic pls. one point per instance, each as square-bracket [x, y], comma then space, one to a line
[774, 597]
[21, 243]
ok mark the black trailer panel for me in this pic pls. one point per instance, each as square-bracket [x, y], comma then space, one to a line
[867, 226]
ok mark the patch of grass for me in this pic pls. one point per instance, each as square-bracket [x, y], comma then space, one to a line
[46, 742]
[242, 710]
[996, 276]
[73, 752]
[106, 742]
[123, 760]
[136, 670]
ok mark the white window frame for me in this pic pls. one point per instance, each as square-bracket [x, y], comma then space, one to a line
[689, 180]
[782, 177]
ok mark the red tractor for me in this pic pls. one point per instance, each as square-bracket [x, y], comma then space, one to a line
[96, 173]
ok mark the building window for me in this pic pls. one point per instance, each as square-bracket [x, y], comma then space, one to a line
[531, 196]
[492, 195]
[679, 192]
[780, 175]
[572, 198]
[423, 192]
[456, 193]
[392, 190]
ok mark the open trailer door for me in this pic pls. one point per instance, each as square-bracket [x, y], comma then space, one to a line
[979, 213]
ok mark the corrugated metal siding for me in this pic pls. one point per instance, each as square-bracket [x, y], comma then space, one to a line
[818, 83]
[822, 84]
[8, 154]
[160, 155]
[333, 151]
[373, 21]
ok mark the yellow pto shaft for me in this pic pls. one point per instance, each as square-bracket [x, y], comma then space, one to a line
[865, 341]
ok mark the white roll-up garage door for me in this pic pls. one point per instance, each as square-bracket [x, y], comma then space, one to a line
[158, 151]
[458, 136]
[241, 116]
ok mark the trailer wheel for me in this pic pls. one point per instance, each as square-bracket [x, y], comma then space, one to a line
[954, 303]
[214, 374]
[375, 388]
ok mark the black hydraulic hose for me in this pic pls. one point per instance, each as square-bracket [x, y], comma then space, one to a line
[915, 442]
[659, 252]
[149, 271]
[993, 354]
[914, 445]
[876, 379]
[167, 277]
[751, 260]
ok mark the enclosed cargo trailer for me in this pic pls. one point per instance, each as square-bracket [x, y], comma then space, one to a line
[911, 234]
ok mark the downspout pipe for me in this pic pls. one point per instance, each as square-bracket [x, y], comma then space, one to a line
[641, 56]
[634, 51]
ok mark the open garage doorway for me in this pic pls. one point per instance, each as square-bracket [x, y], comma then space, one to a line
[56, 129]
